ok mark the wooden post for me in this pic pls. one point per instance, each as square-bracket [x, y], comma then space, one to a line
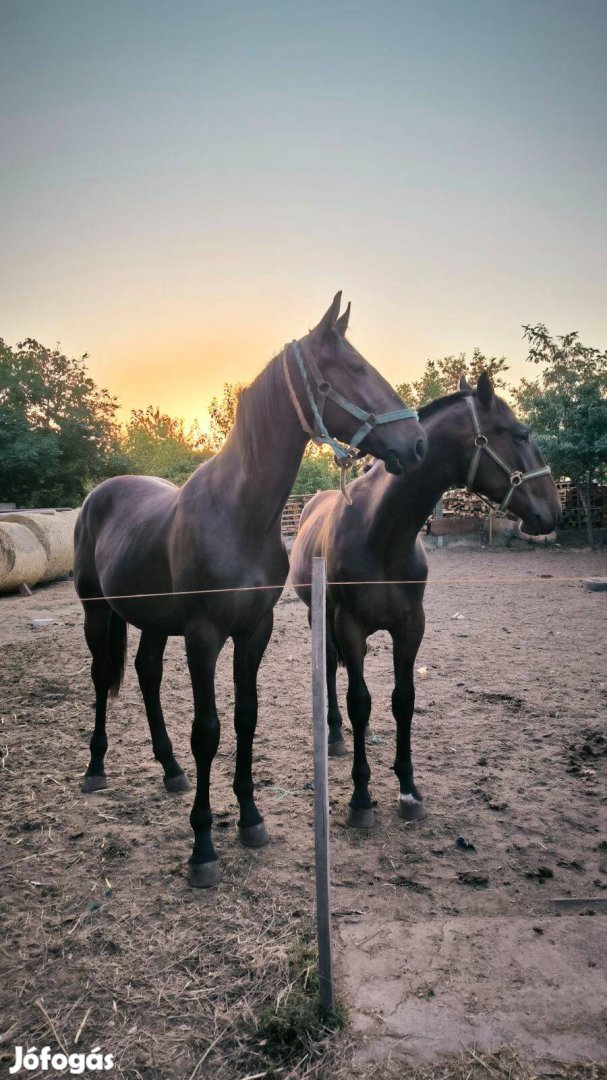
[438, 513]
[321, 785]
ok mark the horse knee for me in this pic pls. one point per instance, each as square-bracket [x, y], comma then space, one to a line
[205, 736]
[359, 704]
[149, 671]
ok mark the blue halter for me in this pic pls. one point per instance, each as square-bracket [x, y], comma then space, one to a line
[344, 455]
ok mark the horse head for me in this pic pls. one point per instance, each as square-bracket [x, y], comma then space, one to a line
[504, 462]
[347, 396]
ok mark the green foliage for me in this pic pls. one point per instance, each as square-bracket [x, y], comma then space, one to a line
[317, 472]
[58, 433]
[223, 413]
[442, 376]
[566, 405]
[159, 445]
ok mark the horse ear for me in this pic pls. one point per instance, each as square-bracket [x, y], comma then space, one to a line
[329, 318]
[484, 389]
[342, 323]
[464, 385]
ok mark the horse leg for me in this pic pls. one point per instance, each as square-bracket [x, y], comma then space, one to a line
[148, 665]
[337, 746]
[406, 642]
[351, 640]
[96, 631]
[203, 645]
[248, 653]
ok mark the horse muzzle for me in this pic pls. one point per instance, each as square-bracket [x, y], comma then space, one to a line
[408, 459]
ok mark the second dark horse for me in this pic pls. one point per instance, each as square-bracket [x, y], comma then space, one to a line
[474, 438]
[151, 554]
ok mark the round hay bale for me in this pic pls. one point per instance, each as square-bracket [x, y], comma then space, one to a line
[22, 557]
[55, 532]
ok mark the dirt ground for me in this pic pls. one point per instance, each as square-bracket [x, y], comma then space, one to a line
[102, 933]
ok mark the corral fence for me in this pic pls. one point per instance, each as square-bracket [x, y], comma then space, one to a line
[463, 511]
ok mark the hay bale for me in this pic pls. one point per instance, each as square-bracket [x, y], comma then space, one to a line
[54, 531]
[22, 557]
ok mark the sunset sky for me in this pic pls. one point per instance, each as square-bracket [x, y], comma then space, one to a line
[185, 184]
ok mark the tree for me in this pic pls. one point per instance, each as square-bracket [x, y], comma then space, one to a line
[58, 432]
[223, 413]
[317, 472]
[442, 376]
[566, 406]
[159, 445]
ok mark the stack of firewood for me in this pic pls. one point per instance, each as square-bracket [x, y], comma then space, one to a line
[461, 503]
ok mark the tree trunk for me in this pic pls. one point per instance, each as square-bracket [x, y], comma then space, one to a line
[585, 501]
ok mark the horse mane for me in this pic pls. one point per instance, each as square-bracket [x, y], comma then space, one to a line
[259, 406]
[426, 411]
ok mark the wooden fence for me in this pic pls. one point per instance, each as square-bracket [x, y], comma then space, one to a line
[459, 504]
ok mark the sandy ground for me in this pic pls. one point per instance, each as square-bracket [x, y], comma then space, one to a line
[510, 747]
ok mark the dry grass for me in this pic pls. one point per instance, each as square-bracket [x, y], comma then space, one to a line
[189, 986]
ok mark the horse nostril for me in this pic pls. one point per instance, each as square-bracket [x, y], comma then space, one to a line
[420, 449]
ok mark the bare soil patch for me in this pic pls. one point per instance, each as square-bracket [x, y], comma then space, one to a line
[509, 745]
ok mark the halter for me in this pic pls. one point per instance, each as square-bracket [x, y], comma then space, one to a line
[482, 443]
[345, 456]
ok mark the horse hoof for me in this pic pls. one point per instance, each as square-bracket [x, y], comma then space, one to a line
[361, 817]
[93, 783]
[253, 835]
[177, 784]
[411, 809]
[337, 748]
[204, 875]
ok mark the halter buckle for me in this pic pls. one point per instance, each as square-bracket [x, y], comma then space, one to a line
[516, 479]
[481, 440]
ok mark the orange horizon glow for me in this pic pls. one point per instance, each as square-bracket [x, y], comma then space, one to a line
[188, 185]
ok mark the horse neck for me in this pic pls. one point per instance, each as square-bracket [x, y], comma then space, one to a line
[261, 481]
[404, 503]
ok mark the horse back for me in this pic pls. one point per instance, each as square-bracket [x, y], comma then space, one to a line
[121, 537]
[309, 540]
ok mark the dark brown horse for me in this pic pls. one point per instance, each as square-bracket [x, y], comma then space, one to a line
[221, 531]
[473, 438]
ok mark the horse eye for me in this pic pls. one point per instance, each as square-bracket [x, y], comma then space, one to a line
[522, 436]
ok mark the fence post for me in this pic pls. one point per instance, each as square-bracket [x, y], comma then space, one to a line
[321, 785]
[438, 513]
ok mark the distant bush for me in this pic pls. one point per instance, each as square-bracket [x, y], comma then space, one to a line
[156, 444]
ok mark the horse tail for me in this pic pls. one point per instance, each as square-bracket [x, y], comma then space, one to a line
[117, 638]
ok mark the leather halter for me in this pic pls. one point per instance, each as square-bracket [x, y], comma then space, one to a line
[481, 443]
[344, 455]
